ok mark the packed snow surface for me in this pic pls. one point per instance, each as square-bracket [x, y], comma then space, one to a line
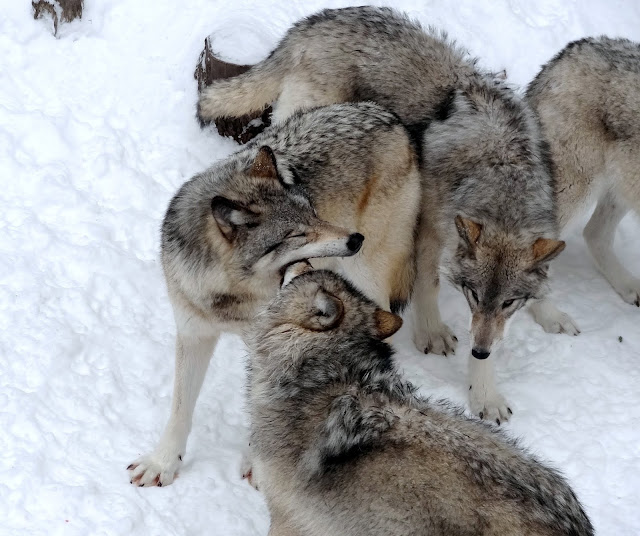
[97, 131]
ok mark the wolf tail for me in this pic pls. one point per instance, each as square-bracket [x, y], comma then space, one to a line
[246, 93]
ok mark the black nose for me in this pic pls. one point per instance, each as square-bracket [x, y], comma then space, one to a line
[480, 353]
[355, 242]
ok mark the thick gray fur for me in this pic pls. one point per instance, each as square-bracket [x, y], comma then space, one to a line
[341, 444]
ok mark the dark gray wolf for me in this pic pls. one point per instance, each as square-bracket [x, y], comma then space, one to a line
[308, 189]
[341, 444]
[489, 214]
[588, 102]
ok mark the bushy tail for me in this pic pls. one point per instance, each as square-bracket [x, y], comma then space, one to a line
[246, 93]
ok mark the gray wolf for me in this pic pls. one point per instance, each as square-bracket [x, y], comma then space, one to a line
[308, 189]
[341, 444]
[489, 214]
[588, 100]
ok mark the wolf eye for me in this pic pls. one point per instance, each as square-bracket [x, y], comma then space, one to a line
[298, 235]
[507, 303]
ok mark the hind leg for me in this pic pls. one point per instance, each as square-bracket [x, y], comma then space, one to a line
[599, 235]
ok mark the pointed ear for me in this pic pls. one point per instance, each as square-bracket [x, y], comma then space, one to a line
[326, 312]
[265, 164]
[386, 323]
[230, 215]
[468, 230]
[545, 249]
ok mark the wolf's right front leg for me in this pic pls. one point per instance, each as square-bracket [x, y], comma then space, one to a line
[193, 353]
[485, 400]
[430, 333]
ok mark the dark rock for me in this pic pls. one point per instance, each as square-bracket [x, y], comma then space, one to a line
[211, 68]
[58, 10]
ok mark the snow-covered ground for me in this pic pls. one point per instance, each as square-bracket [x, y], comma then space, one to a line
[97, 131]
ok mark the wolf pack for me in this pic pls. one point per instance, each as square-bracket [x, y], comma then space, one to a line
[392, 158]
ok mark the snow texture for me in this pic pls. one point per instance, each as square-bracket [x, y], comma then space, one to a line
[97, 131]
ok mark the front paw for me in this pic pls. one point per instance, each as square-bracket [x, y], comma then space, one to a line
[559, 323]
[629, 291]
[489, 406]
[437, 340]
[155, 469]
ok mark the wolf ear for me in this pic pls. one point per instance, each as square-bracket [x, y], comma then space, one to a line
[265, 164]
[326, 312]
[545, 249]
[386, 323]
[230, 215]
[468, 230]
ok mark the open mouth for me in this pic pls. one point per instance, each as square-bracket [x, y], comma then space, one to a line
[305, 266]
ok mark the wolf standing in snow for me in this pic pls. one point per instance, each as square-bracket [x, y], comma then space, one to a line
[340, 444]
[588, 102]
[230, 231]
[489, 216]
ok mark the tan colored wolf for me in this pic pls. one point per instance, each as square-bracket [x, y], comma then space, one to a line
[588, 102]
[310, 188]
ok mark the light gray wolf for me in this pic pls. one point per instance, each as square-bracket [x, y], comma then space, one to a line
[588, 101]
[341, 444]
[308, 189]
[489, 215]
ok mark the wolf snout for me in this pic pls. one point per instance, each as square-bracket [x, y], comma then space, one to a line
[480, 353]
[355, 242]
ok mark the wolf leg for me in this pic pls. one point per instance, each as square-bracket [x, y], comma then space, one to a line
[430, 334]
[193, 354]
[552, 319]
[599, 235]
[484, 398]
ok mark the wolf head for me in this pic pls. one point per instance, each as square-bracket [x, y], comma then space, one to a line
[266, 224]
[320, 311]
[498, 273]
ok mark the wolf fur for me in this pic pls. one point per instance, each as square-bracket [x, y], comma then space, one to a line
[489, 214]
[341, 444]
[588, 100]
[230, 231]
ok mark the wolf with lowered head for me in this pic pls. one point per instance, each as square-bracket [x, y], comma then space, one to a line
[341, 444]
[489, 215]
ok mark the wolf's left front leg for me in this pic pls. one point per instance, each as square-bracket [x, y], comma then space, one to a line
[484, 398]
[430, 334]
[551, 318]
[193, 353]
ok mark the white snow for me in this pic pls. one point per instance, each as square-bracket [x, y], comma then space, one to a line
[97, 131]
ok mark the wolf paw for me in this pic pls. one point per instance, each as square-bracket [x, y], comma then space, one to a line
[156, 469]
[552, 319]
[559, 323]
[630, 292]
[492, 408]
[439, 340]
